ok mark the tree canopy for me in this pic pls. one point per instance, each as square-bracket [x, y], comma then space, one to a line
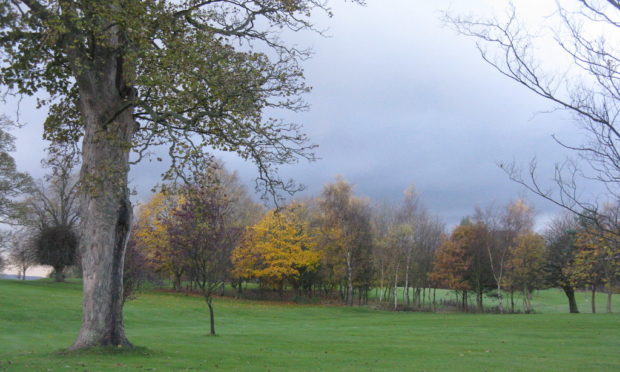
[123, 76]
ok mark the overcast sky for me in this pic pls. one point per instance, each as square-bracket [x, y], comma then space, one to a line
[398, 99]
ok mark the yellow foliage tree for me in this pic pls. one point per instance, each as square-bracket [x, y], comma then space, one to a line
[597, 261]
[151, 235]
[525, 267]
[279, 248]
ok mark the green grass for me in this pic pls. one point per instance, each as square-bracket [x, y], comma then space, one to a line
[39, 319]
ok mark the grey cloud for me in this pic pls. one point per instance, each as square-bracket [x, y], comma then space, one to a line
[398, 100]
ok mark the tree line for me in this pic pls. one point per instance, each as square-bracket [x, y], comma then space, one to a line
[206, 232]
[340, 246]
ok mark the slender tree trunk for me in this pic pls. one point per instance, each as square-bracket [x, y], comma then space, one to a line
[418, 296]
[497, 275]
[349, 297]
[526, 300]
[464, 301]
[381, 292]
[434, 299]
[593, 299]
[512, 301]
[209, 300]
[396, 289]
[609, 293]
[500, 298]
[106, 212]
[406, 293]
[572, 302]
[240, 288]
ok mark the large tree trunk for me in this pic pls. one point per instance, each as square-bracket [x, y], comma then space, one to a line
[572, 302]
[106, 211]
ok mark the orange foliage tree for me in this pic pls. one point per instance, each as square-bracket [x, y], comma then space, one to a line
[452, 263]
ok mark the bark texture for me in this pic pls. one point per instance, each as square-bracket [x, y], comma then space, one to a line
[106, 211]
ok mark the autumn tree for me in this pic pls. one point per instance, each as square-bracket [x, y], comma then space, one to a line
[560, 255]
[502, 227]
[451, 266]
[430, 231]
[280, 248]
[137, 271]
[597, 262]
[525, 266]
[398, 246]
[124, 75]
[382, 222]
[151, 235]
[407, 232]
[462, 262]
[201, 231]
[345, 236]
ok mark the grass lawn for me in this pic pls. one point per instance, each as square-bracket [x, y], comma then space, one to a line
[38, 319]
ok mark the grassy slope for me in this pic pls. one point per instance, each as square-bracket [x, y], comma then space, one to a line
[39, 318]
